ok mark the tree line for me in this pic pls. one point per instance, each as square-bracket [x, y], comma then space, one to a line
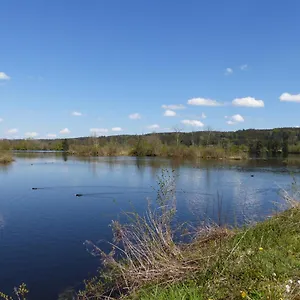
[255, 142]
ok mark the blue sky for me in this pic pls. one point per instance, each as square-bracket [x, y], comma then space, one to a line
[74, 68]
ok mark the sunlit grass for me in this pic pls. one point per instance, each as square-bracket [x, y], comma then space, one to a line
[259, 262]
[5, 157]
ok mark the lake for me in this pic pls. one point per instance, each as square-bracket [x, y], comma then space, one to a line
[42, 230]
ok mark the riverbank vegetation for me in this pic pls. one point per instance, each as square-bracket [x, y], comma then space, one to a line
[258, 261]
[5, 154]
[205, 144]
[5, 157]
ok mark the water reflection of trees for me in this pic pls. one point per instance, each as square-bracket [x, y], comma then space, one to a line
[156, 165]
[2, 223]
[65, 156]
[5, 168]
[142, 164]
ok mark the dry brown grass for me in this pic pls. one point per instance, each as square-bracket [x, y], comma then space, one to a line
[291, 198]
[6, 157]
[143, 250]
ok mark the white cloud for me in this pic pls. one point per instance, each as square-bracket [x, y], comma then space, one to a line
[248, 102]
[4, 76]
[203, 102]
[31, 134]
[98, 130]
[237, 118]
[194, 123]
[244, 67]
[65, 131]
[1, 120]
[169, 113]
[154, 126]
[76, 114]
[228, 71]
[116, 129]
[234, 119]
[51, 135]
[203, 116]
[12, 131]
[289, 97]
[135, 116]
[173, 106]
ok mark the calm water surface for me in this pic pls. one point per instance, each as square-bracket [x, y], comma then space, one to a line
[42, 231]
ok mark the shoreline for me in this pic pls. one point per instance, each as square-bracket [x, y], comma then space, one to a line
[147, 262]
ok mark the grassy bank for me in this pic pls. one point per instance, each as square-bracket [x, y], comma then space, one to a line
[5, 157]
[260, 261]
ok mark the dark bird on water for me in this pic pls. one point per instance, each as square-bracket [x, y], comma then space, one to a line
[78, 195]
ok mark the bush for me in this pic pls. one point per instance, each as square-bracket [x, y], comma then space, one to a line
[294, 149]
[212, 152]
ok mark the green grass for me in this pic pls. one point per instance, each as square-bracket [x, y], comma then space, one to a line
[255, 263]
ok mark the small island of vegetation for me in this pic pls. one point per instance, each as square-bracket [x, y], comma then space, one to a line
[256, 262]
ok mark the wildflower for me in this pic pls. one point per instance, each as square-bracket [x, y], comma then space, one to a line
[274, 274]
[290, 281]
[287, 288]
[260, 248]
[243, 294]
[298, 281]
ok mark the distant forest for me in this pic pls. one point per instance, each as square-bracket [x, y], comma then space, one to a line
[271, 142]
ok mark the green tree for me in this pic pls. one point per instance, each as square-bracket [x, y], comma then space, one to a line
[65, 145]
